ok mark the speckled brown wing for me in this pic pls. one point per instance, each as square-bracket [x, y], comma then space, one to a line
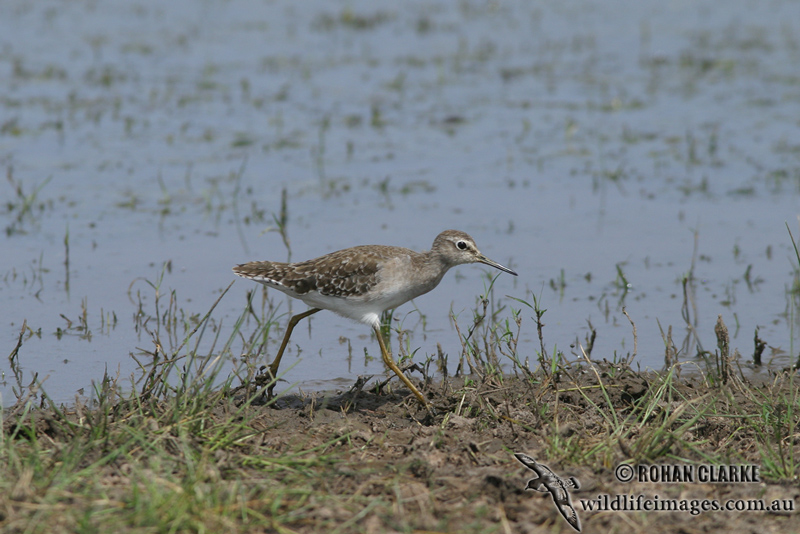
[345, 273]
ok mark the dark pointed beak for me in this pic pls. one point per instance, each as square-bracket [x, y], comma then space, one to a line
[483, 259]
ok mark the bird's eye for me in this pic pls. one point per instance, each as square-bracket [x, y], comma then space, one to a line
[462, 245]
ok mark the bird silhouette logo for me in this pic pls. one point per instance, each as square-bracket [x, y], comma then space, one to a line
[547, 481]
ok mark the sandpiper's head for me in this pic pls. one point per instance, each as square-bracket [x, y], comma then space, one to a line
[457, 248]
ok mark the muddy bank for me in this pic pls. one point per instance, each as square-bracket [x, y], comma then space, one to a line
[376, 462]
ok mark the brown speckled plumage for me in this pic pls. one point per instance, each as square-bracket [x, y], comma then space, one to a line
[351, 272]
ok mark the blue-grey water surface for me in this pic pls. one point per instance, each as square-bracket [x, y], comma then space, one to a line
[573, 140]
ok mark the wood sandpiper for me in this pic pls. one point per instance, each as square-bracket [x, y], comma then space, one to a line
[362, 282]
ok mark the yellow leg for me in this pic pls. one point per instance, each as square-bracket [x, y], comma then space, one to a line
[387, 359]
[273, 367]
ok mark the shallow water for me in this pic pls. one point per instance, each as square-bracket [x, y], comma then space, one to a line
[573, 138]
